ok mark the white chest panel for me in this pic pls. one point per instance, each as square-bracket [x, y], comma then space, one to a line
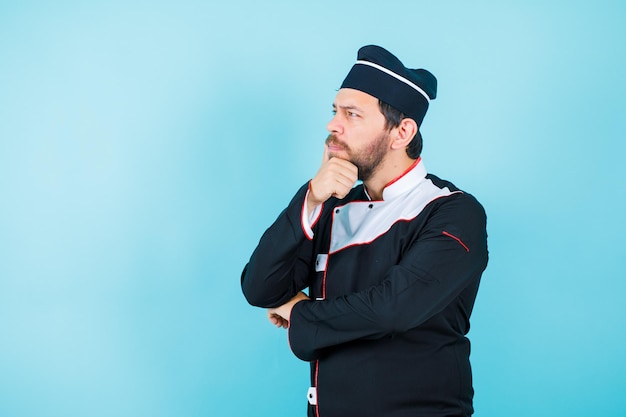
[361, 222]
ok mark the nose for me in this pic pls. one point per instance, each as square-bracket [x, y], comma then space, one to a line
[334, 125]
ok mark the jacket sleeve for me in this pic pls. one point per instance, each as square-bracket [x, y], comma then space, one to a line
[449, 255]
[280, 265]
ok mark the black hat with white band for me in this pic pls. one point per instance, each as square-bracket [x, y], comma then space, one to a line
[379, 73]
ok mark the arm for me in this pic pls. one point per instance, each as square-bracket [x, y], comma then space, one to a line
[432, 273]
[280, 265]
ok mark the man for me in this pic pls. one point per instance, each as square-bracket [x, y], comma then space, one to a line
[392, 265]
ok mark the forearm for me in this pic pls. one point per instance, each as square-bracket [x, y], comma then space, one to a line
[381, 311]
[279, 266]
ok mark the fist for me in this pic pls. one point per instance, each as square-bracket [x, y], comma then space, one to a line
[335, 178]
[280, 316]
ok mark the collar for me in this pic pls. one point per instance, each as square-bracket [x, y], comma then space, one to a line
[405, 181]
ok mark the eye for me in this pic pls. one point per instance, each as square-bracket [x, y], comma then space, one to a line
[352, 114]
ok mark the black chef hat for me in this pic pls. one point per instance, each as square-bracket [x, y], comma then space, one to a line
[379, 73]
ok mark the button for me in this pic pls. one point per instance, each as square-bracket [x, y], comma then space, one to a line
[312, 396]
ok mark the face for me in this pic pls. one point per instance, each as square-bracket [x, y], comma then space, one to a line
[357, 131]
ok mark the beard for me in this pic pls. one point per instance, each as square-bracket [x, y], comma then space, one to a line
[368, 159]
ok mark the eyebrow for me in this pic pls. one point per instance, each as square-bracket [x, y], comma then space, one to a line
[348, 107]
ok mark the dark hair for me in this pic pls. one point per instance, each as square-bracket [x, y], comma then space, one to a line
[393, 117]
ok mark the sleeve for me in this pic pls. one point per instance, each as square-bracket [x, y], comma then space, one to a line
[310, 219]
[449, 254]
[281, 263]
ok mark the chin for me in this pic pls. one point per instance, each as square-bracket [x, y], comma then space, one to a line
[339, 154]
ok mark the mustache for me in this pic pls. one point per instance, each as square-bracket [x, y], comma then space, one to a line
[332, 140]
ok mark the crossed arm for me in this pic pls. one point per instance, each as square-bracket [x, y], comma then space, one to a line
[335, 178]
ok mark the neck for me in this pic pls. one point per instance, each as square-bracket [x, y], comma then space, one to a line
[388, 171]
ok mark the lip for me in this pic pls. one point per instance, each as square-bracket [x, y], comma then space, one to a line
[335, 148]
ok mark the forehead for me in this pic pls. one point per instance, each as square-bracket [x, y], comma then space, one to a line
[348, 97]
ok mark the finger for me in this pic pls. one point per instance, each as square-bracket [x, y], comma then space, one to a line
[345, 165]
[348, 175]
[340, 194]
[343, 187]
[326, 157]
[280, 322]
[340, 186]
[345, 181]
[341, 167]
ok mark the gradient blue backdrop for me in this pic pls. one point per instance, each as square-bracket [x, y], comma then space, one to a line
[145, 146]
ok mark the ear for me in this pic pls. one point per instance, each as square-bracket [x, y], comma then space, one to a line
[404, 133]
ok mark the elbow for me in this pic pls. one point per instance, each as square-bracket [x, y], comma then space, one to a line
[302, 335]
[254, 298]
[301, 351]
[250, 291]
[257, 294]
[253, 293]
[260, 299]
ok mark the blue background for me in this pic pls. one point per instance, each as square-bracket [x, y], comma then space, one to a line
[145, 146]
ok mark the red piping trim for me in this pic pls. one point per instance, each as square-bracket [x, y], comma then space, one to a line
[457, 239]
[413, 165]
[317, 398]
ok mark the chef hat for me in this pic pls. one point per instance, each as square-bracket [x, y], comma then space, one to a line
[379, 73]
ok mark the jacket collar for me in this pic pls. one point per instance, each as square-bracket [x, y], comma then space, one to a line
[405, 181]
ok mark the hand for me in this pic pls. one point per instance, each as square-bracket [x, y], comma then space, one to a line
[335, 178]
[277, 320]
[280, 316]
